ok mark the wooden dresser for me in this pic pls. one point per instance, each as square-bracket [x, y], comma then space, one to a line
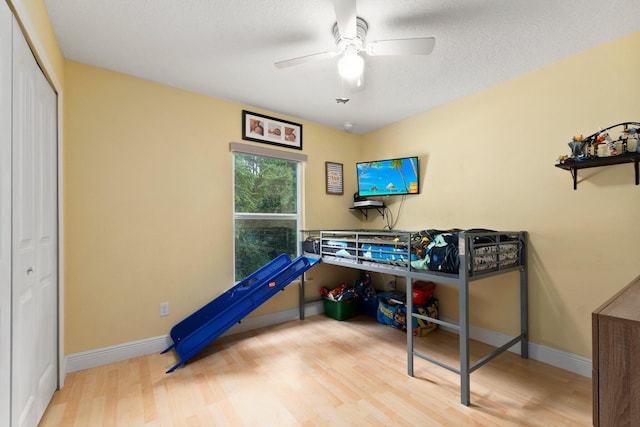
[616, 359]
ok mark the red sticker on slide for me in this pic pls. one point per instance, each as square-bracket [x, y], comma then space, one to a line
[272, 284]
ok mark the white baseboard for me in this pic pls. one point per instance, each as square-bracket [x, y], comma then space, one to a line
[551, 356]
[93, 358]
[102, 356]
[561, 359]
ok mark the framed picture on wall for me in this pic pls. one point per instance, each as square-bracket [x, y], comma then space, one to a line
[334, 178]
[261, 128]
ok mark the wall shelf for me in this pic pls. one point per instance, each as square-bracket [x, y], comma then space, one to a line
[601, 161]
[364, 210]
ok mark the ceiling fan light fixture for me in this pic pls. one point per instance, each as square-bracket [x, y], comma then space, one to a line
[350, 65]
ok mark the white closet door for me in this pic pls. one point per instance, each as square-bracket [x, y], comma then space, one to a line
[5, 212]
[47, 241]
[34, 269]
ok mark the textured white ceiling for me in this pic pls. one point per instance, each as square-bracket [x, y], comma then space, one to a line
[226, 49]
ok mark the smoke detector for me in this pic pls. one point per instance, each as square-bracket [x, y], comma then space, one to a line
[348, 126]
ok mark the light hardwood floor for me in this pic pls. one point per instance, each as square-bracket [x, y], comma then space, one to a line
[321, 372]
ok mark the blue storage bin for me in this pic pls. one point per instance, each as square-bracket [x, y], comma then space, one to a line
[368, 305]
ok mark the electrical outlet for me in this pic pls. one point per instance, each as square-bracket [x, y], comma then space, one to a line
[164, 309]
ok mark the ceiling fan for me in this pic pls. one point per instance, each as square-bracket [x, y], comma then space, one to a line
[350, 33]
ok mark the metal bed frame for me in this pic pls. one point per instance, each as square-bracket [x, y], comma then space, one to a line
[467, 273]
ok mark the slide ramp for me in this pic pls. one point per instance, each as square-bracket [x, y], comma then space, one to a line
[212, 320]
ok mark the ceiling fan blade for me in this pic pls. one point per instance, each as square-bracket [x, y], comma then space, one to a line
[304, 59]
[418, 46]
[346, 17]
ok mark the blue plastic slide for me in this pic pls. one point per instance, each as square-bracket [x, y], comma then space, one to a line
[205, 325]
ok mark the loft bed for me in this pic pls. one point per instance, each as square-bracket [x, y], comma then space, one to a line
[462, 257]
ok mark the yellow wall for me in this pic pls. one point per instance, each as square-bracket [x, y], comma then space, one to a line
[488, 161]
[148, 205]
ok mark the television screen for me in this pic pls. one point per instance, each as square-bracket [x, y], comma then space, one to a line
[390, 177]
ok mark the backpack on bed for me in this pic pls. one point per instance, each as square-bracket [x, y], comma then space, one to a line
[420, 240]
[442, 253]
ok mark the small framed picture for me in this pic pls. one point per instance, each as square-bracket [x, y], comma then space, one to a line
[334, 178]
[261, 128]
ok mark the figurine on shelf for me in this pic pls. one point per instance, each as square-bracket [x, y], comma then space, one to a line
[624, 139]
[599, 139]
[577, 147]
[611, 145]
[631, 133]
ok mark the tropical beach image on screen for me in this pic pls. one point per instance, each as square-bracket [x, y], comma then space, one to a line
[388, 177]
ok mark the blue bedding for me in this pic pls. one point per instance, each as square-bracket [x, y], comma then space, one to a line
[386, 253]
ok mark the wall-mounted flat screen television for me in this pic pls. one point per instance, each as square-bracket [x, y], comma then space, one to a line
[391, 177]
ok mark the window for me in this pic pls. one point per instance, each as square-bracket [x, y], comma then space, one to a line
[266, 210]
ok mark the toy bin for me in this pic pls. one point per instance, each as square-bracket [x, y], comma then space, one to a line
[392, 311]
[422, 291]
[340, 310]
[420, 327]
[368, 305]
